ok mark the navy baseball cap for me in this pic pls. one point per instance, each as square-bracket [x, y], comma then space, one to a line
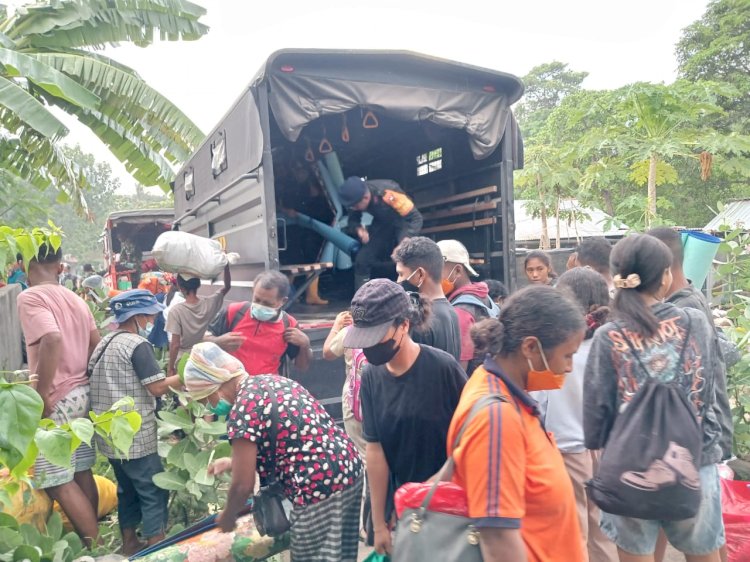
[352, 191]
[375, 306]
[136, 301]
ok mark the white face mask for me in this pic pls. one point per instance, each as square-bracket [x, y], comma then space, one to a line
[146, 330]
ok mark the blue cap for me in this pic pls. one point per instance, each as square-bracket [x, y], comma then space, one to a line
[136, 301]
[352, 191]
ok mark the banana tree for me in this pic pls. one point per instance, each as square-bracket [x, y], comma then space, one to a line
[48, 59]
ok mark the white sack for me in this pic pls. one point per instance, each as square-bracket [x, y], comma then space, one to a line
[190, 255]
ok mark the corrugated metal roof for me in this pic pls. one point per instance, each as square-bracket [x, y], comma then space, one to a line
[598, 224]
[735, 214]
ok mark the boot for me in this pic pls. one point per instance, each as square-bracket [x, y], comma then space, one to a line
[312, 296]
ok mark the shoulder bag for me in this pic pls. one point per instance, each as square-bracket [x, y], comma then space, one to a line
[426, 536]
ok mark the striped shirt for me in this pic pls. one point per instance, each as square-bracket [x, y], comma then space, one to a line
[512, 472]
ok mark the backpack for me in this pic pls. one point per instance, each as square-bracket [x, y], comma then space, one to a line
[651, 462]
[353, 383]
[284, 367]
[492, 311]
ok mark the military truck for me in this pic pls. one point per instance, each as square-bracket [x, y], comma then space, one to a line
[443, 130]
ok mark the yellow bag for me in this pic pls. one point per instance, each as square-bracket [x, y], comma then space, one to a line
[29, 505]
[107, 500]
[34, 506]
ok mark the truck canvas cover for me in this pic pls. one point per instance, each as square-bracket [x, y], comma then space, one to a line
[305, 85]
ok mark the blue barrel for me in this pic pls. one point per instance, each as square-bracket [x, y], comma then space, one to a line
[699, 251]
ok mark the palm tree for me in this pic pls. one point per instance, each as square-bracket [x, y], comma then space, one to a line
[48, 58]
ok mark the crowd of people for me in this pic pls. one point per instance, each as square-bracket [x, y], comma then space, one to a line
[574, 361]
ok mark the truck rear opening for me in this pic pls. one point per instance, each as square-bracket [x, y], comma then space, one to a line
[441, 129]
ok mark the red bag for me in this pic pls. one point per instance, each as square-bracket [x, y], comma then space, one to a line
[449, 498]
[735, 507]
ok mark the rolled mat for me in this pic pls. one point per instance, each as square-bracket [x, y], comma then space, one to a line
[699, 250]
[334, 168]
[336, 237]
[332, 189]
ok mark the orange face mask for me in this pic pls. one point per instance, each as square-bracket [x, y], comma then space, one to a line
[448, 285]
[543, 380]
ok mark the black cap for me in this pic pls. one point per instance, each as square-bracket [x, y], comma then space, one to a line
[375, 307]
[352, 191]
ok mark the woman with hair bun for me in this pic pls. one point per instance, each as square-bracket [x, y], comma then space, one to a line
[653, 340]
[519, 494]
[562, 410]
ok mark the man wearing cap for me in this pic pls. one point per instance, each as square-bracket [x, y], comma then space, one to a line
[394, 217]
[408, 392]
[60, 335]
[470, 300]
[124, 364]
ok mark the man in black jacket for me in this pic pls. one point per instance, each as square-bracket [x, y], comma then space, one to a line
[394, 217]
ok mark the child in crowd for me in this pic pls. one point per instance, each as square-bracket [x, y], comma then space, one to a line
[187, 321]
[124, 364]
[538, 268]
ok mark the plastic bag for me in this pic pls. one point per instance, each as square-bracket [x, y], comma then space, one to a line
[190, 255]
[735, 507]
[375, 557]
[449, 498]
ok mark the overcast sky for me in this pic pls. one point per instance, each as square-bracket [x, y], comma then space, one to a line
[616, 42]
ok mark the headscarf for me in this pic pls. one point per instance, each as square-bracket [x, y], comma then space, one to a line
[208, 368]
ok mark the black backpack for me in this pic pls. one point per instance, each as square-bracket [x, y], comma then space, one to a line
[651, 462]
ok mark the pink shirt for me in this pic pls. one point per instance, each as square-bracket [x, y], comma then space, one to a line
[47, 309]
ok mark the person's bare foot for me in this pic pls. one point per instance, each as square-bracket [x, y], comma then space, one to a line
[130, 542]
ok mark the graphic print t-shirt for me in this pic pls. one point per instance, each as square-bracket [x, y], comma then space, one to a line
[614, 374]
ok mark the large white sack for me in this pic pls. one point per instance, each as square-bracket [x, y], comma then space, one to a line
[190, 255]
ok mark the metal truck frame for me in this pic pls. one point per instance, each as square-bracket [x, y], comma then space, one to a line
[442, 129]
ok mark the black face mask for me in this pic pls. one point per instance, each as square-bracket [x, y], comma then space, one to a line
[383, 352]
[408, 286]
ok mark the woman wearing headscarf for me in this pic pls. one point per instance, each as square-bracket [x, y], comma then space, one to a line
[313, 460]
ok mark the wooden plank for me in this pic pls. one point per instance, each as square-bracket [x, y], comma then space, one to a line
[461, 196]
[461, 210]
[459, 225]
[296, 269]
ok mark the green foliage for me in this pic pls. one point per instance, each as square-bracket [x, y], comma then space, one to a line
[734, 288]
[25, 542]
[546, 85]
[21, 409]
[194, 492]
[26, 242]
[47, 59]
[717, 48]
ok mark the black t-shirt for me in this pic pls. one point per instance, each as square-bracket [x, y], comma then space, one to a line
[443, 331]
[409, 415]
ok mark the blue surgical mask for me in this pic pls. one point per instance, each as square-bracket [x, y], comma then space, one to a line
[222, 408]
[263, 313]
[145, 331]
